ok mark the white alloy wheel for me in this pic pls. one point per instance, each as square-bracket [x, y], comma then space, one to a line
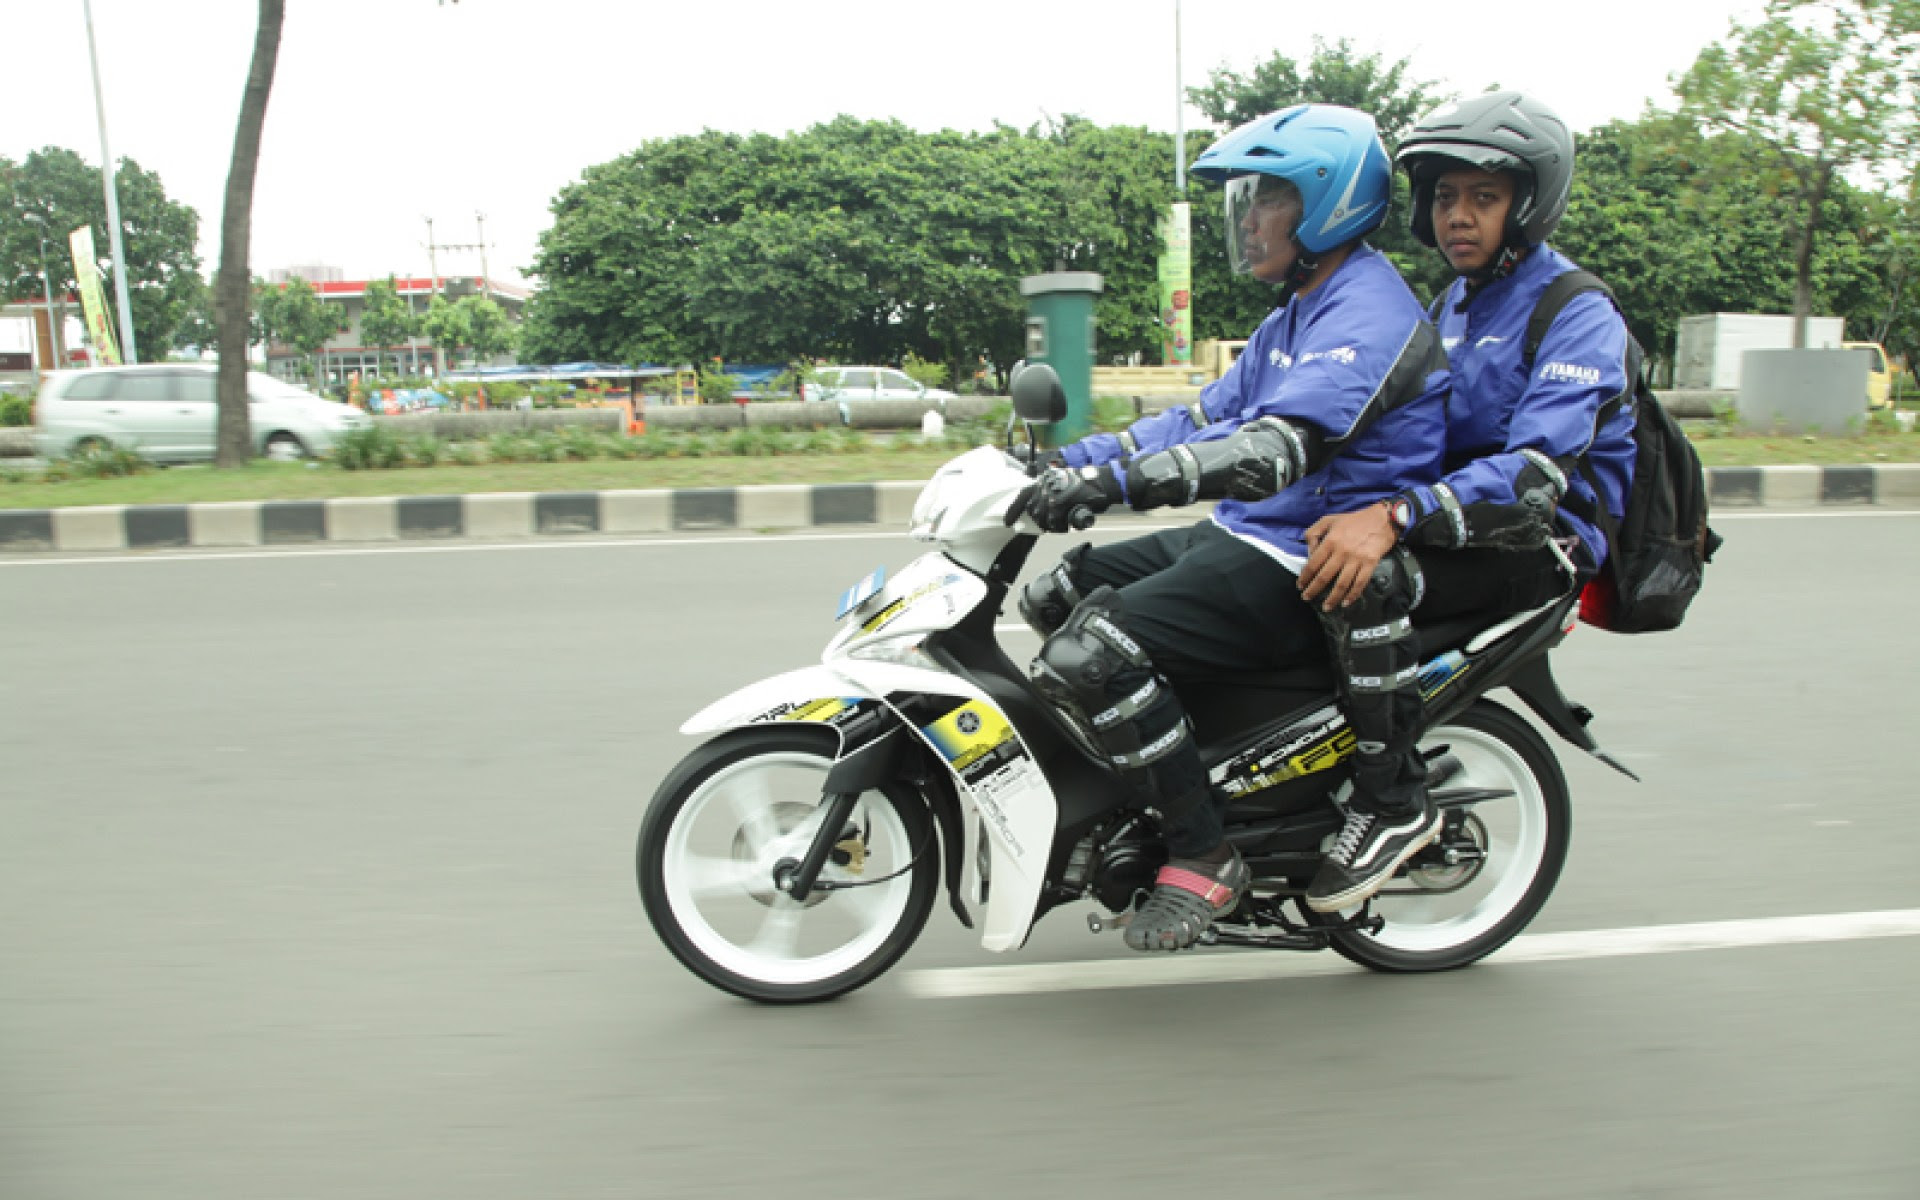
[730, 820]
[1440, 917]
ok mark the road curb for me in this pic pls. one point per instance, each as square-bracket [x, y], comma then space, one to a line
[497, 515]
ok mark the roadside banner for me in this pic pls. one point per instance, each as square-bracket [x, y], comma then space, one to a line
[86, 271]
[1176, 284]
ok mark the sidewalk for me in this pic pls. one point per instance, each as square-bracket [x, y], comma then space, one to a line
[497, 515]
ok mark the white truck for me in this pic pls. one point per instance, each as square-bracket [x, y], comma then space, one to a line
[1707, 348]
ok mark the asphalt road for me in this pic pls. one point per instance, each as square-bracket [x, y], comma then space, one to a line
[316, 874]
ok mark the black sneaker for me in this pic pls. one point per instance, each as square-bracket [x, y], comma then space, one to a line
[1368, 851]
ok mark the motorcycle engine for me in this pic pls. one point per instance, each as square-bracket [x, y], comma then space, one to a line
[1117, 861]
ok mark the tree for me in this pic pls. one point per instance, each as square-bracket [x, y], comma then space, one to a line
[857, 239]
[1335, 74]
[233, 285]
[445, 327]
[1818, 88]
[196, 330]
[293, 315]
[163, 269]
[386, 319]
[489, 330]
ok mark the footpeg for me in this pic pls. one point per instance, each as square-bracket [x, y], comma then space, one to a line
[1100, 924]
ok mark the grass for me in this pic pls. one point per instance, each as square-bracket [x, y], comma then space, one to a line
[867, 464]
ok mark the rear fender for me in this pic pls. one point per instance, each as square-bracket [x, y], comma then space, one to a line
[1533, 681]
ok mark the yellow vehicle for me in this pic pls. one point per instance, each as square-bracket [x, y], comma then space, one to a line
[1879, 376]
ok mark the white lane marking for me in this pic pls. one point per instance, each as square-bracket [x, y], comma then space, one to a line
[1256, 965]
[636, 541]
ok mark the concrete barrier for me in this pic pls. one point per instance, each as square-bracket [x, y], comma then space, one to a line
[458, 426]
[519, 515]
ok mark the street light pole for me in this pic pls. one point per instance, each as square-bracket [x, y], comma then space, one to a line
[46, 289]
[107, 173]
[1179, 113]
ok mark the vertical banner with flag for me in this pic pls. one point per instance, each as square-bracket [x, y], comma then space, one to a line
[1176, 284]
[86, 271]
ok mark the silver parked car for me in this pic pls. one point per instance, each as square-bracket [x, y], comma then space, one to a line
[168, 414]
[869, 383]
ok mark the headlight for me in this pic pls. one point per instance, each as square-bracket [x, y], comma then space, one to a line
[901, 652]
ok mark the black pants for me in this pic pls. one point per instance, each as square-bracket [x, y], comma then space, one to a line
[1206, 605]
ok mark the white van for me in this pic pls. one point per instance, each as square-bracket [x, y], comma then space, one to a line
[168, 414]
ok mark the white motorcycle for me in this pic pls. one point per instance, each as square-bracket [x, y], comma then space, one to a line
[795, 855]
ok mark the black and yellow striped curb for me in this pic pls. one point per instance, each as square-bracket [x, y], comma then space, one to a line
[505, 515]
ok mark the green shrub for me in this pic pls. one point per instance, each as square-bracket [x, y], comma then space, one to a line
[1111, 414]
[580, 443]
[15, 410]
[423, 450]
[926, 374]
[464, 454]
[371, 449]
[99, 462]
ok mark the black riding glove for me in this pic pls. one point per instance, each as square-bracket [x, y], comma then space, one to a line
[1525, 525]
[1052, 499]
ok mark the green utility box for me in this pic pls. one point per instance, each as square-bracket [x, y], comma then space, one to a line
[1061, 333]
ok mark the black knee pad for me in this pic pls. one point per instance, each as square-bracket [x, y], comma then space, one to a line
[1046, 602]
[1377, 652]
[1102, 681]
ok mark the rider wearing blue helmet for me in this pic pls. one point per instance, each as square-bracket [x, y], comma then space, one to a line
[1337, 402]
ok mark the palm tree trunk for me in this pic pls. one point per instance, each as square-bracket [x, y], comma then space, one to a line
[232, 289]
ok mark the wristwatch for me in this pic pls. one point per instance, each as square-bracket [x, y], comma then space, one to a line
[1400, 513]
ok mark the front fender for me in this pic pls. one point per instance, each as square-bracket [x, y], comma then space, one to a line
[808, 694]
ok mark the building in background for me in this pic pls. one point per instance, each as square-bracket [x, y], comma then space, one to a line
[345, 353]
[314, 273]
[26, 345]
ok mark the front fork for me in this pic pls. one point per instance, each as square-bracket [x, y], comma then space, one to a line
[797, 881]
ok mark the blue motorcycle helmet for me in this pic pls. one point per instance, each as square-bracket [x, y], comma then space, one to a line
[1328, 157]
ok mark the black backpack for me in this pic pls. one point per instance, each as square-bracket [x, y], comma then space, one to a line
[1657, 552]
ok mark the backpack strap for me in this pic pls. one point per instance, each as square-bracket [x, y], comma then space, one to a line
[1433, 310]
[1564, 287]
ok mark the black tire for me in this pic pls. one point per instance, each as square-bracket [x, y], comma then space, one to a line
[790, 758]
[91, 444]
[290, 448]
[1493, 743]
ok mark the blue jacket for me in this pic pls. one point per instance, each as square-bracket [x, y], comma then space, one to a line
[1496, 409]
[1321, 360]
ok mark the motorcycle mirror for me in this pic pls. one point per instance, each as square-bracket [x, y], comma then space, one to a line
[1038, 397]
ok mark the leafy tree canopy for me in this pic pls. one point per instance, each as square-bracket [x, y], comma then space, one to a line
[1815, 90]
[157, 234]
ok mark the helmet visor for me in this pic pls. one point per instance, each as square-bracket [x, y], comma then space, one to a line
[1262, 212]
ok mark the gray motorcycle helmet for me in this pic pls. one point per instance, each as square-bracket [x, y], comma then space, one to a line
[1501, 131]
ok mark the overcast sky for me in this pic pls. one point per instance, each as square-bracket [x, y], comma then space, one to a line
[386, 112]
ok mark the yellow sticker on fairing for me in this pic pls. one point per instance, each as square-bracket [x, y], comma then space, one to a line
[968, 733]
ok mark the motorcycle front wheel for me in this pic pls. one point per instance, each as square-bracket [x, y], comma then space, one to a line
[1439, 916]
[733, 816]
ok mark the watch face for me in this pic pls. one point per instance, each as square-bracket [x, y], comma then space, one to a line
[1401, 514]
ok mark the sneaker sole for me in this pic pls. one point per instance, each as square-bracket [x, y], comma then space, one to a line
[1361, 891]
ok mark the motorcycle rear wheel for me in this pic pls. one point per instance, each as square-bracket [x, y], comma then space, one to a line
[1525, 838]
[716, 834]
